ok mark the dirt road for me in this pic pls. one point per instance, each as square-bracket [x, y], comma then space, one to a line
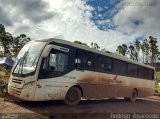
[86, 109]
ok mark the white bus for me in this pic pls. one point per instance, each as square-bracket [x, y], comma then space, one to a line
[55, 69]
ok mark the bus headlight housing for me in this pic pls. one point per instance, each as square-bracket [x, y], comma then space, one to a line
[29, 84]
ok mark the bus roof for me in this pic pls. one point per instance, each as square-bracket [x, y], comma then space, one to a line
[84, 47]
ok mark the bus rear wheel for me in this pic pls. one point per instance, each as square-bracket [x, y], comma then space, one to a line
[133, 96]
[73, 96]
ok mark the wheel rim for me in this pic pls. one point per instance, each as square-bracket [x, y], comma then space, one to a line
[73, 95]
[134, 96]
[5, 90]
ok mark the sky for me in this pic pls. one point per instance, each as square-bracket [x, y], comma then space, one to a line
[109, 23]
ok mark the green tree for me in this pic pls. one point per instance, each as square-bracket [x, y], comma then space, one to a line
[5, 41]
[92, 45]
[103, 50]
[1, 54]
[145, 50]
[133, 53]
[137, 45]
[18, 43]
[153, 48]
[122, 49]
[95, 46]
[10, 44]
[80, 43]
[2, 30]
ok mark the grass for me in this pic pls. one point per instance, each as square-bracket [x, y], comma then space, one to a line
[157, 86]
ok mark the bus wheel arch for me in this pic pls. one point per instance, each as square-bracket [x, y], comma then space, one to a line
[73, 96]
[136, 91]
[79, 88]
[133, 96]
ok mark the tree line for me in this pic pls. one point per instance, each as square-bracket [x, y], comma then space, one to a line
[148, 49]
[92, 45]
[11, 45]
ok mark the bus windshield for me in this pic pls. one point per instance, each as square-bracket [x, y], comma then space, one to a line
[27, 58]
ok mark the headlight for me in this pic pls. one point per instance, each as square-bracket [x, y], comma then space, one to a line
[29, 84]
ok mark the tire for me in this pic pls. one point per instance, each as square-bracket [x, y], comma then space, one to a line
[73, 96]
[133, 97]
[5, 89]
[126, 98]
[112, 99]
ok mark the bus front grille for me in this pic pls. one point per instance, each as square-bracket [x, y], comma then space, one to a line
[17, 81]
[16, 91]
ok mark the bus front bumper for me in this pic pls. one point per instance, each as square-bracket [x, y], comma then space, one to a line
[20, 93]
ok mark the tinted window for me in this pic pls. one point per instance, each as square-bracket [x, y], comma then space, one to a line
[141, 72]
[81, 59]
[120, 67]
[146, 75]
[54, 65]
[58, 61]
[151, 74]
[132, 70]
[90, 61]
[104, 64]
[85, 60]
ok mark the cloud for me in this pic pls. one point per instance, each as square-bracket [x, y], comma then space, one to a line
[4, 18]
[22, 16]
[34, 10]
[22, 29]
[139, 18]
[73, 22]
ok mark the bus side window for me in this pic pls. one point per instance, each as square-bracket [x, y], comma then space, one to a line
[132, 70]
[45, 64]
[52, 62]
[146, 73]
[120, 67]
[54, 65]
[104, 64]
[90, 61]
[81, 60]
[151, 74]
[141, 72]
[84, 60]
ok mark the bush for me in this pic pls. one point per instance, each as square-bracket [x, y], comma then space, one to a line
[3, 88]
[158, 76]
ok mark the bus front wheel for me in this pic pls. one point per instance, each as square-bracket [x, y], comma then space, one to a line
[73, 96]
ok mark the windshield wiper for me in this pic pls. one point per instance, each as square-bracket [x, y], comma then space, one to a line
[20, 63]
